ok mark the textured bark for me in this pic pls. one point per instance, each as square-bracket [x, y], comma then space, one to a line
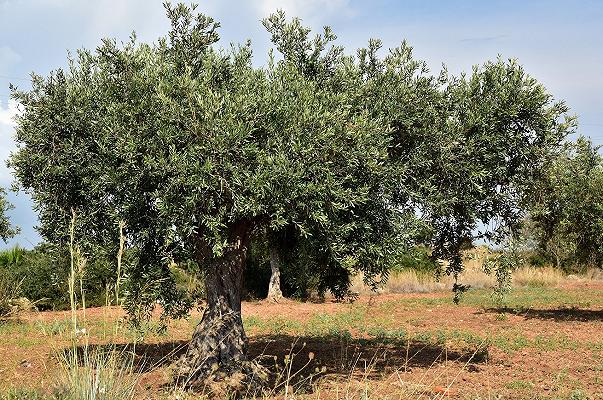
[274, 288]
[218, 349]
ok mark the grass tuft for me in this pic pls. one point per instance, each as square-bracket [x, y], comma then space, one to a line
[96, 375]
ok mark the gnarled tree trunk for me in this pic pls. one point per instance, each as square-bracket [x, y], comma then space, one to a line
[218, 349]
[274, 287]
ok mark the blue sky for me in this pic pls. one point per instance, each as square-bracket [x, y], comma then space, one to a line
[558, 42]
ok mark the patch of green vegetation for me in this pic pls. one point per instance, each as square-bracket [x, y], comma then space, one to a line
[519, 301]
[15, 327]
[53, 328]
[595, 346]
[252, 322]
[555, 342]
[26, 342]
[501, 317]
[22, 394]
[519, 385]
[326, 324]
[578, 394]
[510, 344]
[598, 366]
[280, 325]
[387, 335]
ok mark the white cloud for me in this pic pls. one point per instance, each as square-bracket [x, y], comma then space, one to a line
[315, 10]
[8, 58]
[7, 143]
[7, 114]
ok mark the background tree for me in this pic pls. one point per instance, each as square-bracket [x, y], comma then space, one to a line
[467, 150]
[7, 231]
[278, 243]
[501, 133]
[566, 213]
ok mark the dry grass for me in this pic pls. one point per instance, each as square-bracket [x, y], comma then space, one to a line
[538, 277]
[593, 274]
[410, 281]
[9, 292]
[96, 375]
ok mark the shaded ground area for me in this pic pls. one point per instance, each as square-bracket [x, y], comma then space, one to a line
[540, 343]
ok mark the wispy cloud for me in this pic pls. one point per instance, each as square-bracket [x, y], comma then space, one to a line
[7, 144]
[316, 10]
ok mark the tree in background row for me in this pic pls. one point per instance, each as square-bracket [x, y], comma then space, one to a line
[566, 212]
[7, 231]
[201, 153]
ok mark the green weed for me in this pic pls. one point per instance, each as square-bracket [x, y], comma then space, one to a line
[519, 385]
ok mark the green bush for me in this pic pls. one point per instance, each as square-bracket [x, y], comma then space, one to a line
[10, 284]
[417, 258]
[12, 256]
[43, 273]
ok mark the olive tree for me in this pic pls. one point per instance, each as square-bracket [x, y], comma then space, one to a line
[467, 150]
[566, 208]
[196, 149]
[200, 152]
[500, 133]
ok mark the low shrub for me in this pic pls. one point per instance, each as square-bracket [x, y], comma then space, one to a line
[417, 259]
[9, 291]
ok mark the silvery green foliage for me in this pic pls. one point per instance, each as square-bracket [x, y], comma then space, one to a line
[467, 150]
[183, 140]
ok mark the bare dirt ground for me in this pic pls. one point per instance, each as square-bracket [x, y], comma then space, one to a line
[540, 343]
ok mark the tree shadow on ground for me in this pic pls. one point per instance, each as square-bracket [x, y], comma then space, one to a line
[563, 314]
[333, 356]
[341, 357]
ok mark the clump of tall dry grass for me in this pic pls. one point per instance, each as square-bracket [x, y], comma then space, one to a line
[411, 281]
[96, 375]
[593, 274]
[86, 373]
[537, 277]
